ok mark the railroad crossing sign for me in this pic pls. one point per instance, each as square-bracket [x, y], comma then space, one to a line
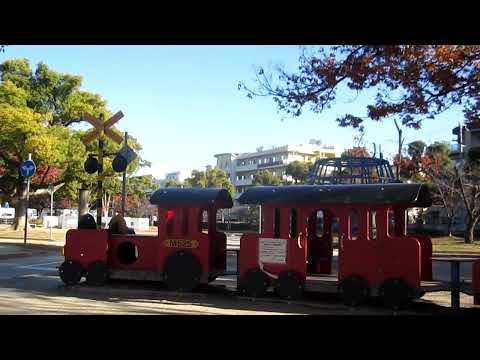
[102, 128]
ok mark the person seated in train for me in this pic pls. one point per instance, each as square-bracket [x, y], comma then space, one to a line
[87, 221]
[117, 225]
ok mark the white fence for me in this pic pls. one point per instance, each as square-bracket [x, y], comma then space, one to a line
[71, 222]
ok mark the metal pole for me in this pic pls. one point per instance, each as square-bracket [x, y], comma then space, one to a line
[124, 181]
[100, 175]
[26, 206]
[51, 212]
[455, 286]
[260, 218]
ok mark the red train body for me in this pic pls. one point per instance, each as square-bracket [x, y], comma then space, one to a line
[293, 252]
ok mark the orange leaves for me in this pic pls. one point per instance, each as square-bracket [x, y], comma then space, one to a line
[417, 82]
[46, 175]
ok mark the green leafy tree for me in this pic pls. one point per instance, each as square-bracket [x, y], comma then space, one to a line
[298, 170]
[211, 178]
[36, 110]
[265, 177]
[197, 179]
[440, 173]
[357, 151]
[173, 183]
[139, 189]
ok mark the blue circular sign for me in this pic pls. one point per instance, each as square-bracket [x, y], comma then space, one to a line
[27, 168]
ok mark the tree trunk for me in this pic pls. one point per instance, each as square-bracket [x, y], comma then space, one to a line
[450, 223]
[472, 221]
[20, 206]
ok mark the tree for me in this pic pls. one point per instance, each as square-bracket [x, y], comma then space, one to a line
[265, 177]
[413, 82]
[36, 109]
[440, 172]
[468, 175]
[360, 151]
[298, 170]
[450, 186]
[21, 133]
[173, 183]
[137, 199]
[212, 178]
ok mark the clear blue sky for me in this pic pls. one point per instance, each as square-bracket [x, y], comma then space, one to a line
[183, 105]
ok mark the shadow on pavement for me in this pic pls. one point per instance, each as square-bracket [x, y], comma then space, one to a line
[45, 293]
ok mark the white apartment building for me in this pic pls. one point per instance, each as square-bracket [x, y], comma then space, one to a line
[242, 167]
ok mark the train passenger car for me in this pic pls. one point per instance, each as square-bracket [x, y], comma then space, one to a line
[182, 254]
[376, 256]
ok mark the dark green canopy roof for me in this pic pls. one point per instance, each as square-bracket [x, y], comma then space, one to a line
[171, 197]
[414, 195]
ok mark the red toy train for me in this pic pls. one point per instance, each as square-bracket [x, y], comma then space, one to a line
[294, 252]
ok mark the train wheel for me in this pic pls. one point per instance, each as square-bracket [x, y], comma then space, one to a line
[70, 272]
[396, 293]
[183, 271]
[290, 285]
[97, 273]
[354, 290]
[255, 283]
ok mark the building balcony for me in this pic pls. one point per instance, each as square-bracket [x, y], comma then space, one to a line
[247, 167]
[270, 164]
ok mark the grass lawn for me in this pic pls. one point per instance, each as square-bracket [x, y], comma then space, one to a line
[454, 244]
[41, 233]
[34, 234]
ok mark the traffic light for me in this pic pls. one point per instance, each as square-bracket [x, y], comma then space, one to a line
[119, 163]
[124, 157]
[91, 165]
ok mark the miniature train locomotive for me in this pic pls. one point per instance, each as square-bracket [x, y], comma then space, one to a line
[293, 253]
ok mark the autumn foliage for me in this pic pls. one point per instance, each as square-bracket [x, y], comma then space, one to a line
[413, 82]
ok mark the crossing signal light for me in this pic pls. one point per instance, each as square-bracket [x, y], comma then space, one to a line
[119, 163]
[124, 157]
[91, 165]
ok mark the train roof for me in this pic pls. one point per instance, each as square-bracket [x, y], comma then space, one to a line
[413, 195]
[173, 197]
